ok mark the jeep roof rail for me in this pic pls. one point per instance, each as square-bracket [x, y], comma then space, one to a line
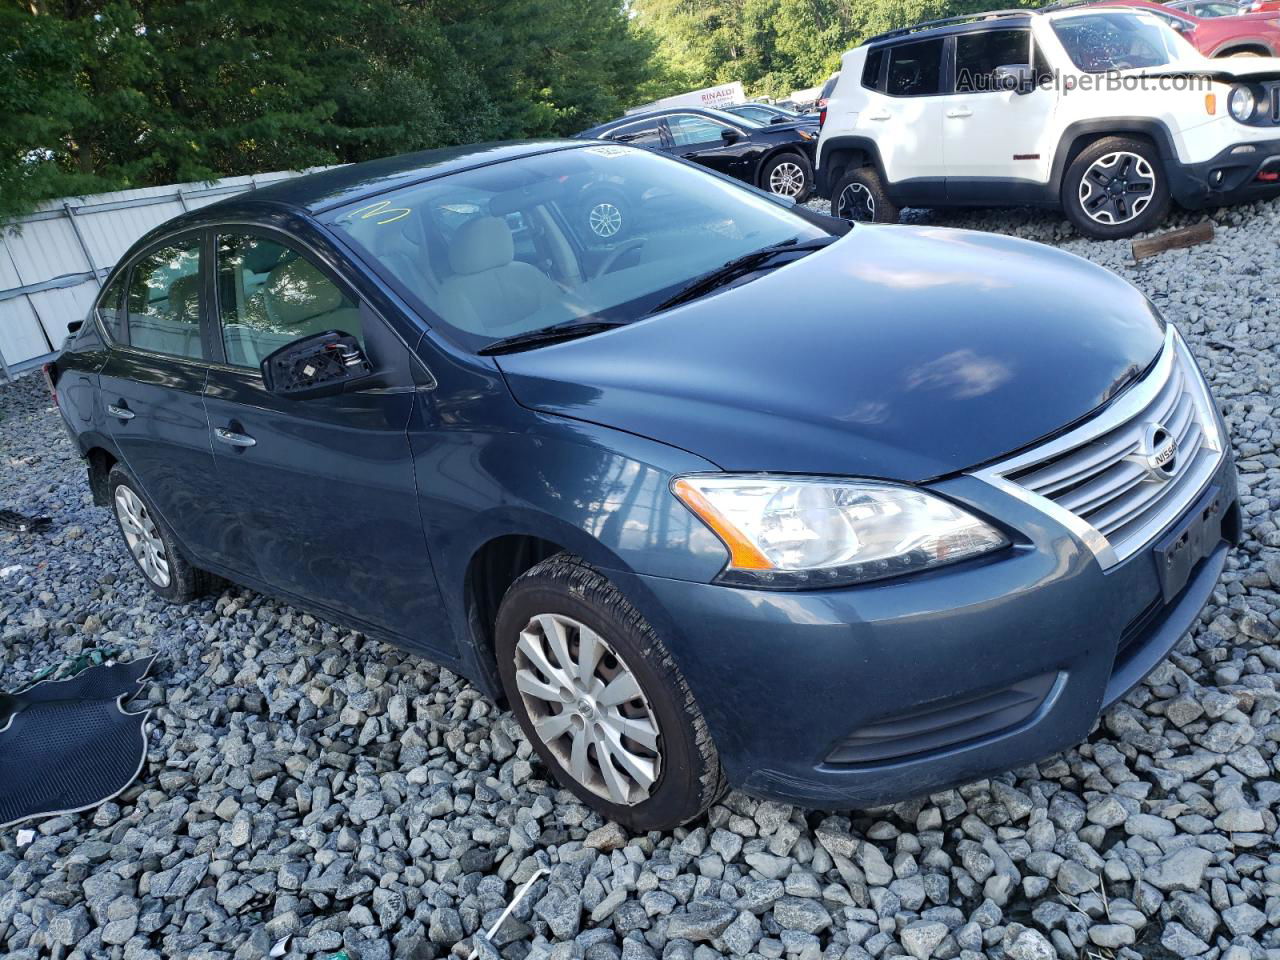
[947, 21]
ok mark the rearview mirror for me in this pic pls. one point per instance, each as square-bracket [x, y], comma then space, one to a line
[321, 365]
[1015, 77]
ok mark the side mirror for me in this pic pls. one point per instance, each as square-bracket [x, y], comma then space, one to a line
[1016, 77]
[320, 365]
[730, 136]
[777, 119]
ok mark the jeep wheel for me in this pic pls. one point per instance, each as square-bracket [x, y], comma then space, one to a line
[1116, 188]
[601, 700]
[860, 196]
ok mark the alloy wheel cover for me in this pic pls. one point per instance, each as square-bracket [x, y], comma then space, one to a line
[604, 219]
[1117, 187]
[856, 203]
[588, 709]
[787, 179]
[142, 537]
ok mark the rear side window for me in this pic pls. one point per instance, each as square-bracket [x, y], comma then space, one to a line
[642, 134]
[978, 55]
[872, 70]
[915, 69]
[111, 309]
[164, 301]
[269, 295]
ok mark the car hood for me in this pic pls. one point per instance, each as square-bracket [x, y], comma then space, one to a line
[1222, 69]
[896, 352]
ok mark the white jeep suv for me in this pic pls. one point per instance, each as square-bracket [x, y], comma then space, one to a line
[1103, 111]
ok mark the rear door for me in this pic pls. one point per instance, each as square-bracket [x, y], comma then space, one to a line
[324, 486]
[151, 390]
[992, 132]
[907, 120]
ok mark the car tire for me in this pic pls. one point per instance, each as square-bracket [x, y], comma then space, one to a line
[606, 216]
[151, 543]
[860, 196]
[788, 175]
[559, 604]
[1104, 212]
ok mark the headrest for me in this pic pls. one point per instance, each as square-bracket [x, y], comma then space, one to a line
[184, 297]
[481, 244]
[296, 291]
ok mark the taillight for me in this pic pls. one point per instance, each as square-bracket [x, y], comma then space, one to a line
[50, 371]
[822, 116]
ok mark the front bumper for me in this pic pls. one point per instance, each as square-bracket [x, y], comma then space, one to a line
[975, 669]
[1238, 174]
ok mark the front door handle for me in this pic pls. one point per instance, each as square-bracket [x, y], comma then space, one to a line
[231, 438]
[959, 112]
[120, 412]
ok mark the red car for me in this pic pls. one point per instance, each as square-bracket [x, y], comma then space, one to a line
[1248, 35]
[1263, 6]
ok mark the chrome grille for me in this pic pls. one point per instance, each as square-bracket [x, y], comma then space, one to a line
[1099, 479]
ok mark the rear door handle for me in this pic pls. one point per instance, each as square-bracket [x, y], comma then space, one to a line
[120, 412]
[231, 438]
[959, 112]
[880, 115]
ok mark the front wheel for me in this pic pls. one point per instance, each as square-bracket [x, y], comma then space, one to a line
[606, 216]
[601, 700]
[1116, 188]
[788, 175]
[860, 196]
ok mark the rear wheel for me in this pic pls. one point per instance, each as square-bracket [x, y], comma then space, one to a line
[1115, 188]
[601, 700]
[860, 196]
[151, 543]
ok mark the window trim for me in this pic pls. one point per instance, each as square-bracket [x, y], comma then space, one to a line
[657, 128]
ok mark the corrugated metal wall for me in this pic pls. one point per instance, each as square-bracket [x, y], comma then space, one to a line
[53, 260]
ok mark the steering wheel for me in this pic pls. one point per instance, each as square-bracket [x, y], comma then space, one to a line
[616, 254]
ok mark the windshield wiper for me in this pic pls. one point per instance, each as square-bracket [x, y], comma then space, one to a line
[739, 267]
[557, 333]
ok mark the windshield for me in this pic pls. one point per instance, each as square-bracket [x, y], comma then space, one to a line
[603, 232]
[1098, 42]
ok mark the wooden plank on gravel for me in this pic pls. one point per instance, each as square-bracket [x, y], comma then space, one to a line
[1191, 236]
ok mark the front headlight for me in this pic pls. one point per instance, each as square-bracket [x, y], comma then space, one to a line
[1242, 103]
[813, 532]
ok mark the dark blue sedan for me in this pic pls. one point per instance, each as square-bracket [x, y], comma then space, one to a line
[835, 516]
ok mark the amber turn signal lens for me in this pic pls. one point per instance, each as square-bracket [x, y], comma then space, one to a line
[1211, 104]
[743, 554]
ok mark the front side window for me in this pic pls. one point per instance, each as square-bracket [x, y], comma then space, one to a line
[613, 232]
[1098, 42]
[270, 295]
[978, 55]
[915, 69]
[687, 129]
[164, 301]
[111, 309]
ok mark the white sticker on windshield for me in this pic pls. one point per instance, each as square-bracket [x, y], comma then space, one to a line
[607, 151]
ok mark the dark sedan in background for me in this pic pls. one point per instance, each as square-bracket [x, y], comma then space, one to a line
[777, 157]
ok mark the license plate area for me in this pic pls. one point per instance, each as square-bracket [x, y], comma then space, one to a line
[1179, 550]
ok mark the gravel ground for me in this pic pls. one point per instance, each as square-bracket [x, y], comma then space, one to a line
[304, 781]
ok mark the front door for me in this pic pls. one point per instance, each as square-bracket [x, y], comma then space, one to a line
[991, 132]
[324, 486]
[702, 140]
[151, 392]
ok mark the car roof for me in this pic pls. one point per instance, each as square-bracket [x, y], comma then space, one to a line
[316, 192]
[661, 112]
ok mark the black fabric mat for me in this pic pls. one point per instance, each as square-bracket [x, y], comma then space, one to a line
[68, 745]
